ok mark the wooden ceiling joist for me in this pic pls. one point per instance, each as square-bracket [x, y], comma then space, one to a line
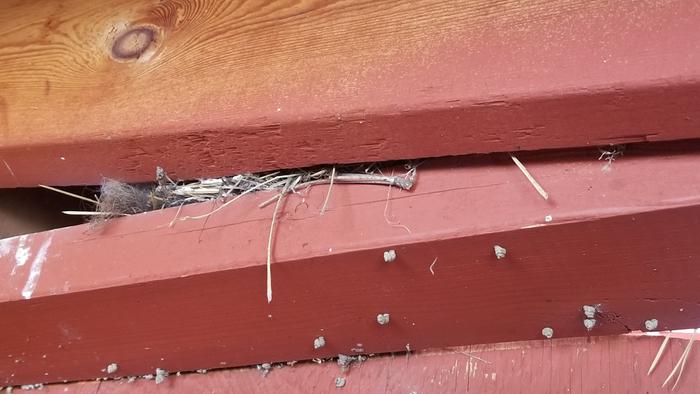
[113, 88]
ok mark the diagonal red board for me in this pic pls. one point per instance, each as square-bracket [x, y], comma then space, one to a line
[147, 295]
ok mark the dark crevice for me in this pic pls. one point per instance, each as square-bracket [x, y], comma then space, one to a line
[30, 210]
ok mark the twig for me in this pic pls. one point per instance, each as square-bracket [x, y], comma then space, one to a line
[685, 359]
[206, 220]
[680, 364]
[658, 355]
[272, 174]
[195, 191]
[224, 205]
[177, 214]
[529, 177]
[402, 182]
[93, 213]
[282, 193]
[268, 201]
[432, 265]
[295, 182]
[70, 194]
[386, 217]
[328, 195]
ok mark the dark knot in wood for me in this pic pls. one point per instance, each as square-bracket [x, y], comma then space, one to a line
[131, 44]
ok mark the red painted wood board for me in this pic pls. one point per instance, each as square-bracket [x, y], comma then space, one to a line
[614, 364]
[252, 86]
[145, 295]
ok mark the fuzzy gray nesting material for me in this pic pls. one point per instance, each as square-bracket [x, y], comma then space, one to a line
[118, 199]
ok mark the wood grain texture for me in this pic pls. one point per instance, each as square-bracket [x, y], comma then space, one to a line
[145, 295]
[615, 364]
[207, 88]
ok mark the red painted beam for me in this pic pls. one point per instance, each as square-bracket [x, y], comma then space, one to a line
[614, 364]
[144, 295]
[242, 87]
